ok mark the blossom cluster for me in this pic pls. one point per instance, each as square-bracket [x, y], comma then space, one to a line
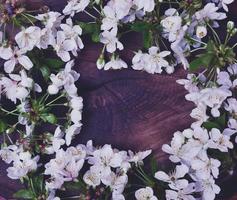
[51, 43]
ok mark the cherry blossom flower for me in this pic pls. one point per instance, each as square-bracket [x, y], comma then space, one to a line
[220, 141]
[111, 41]
[72, 34]
[93, 176]
[138, 158]
[209, 12]
[171, 24]
[209, 188]
[17, 86]
[121, 7]
[145, 194]
[115, 63]
[23, 163]
[116, 183]
[147, 6]
[57, 141]
[201, 32]
[51, 19]
[9, 153]
[175, 179]
[71, 131]
[205, 167]
[110, 21]
[183, 194]
[63, 46]
[14, 57]
[75, 6]
[64, 79]
[28, 38]
[224, 4]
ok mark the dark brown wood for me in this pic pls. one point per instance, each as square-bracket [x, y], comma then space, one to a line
[128, 109]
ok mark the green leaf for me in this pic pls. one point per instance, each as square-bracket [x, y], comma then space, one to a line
[203, 61]
[211, 125]
[49, 117]
[211, 46]
[154, 166]
[38, 182]
[45, 72]
[95, 37]
[141, 26]
[147, 39]
[222, 120]
[24, 194]
[53, 63]
[3, 126]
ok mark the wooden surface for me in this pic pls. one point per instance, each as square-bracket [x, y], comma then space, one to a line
[128, 109]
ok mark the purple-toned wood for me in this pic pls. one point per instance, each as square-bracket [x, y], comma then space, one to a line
[128, 109]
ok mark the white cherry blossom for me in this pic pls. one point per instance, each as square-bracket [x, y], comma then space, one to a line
[75, 6]
[28, 38]
[14, 56]
[145, 194]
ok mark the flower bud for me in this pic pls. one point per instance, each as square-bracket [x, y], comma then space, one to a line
[97, 2]
[100, 62]
[233, 32]
[52, 89]
[230, 25]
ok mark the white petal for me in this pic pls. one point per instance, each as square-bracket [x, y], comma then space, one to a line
[9, 65]
[25, 62]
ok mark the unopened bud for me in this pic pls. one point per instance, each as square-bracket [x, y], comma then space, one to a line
[100, 62]
[230, 25]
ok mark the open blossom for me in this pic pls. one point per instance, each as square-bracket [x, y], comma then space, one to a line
[209, 188]
[154, 62]
[116, 182]
[174, 149]
[17, 86]
[200, 113]
[121, 7]
[220, 141]
[64, 79]
[56, 140]
[106, 158]
[115, 63]
[223, 79]
[147, 6]
[184, 194]
[23, 163]
[63, 46]
[201, 32]
[110, 21]
[206, 167]
[71, 131]
[51, 20]
[138, 158]
[175, 179]
[64, 167]
[209, 12]
[72, 34]
[224, 4]
[109, 38]
[93, 176]
[8, 154]
[145, 194]
[75, 6]
[172, 24]
[28, 38]
[14, 56]
[212, 97]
